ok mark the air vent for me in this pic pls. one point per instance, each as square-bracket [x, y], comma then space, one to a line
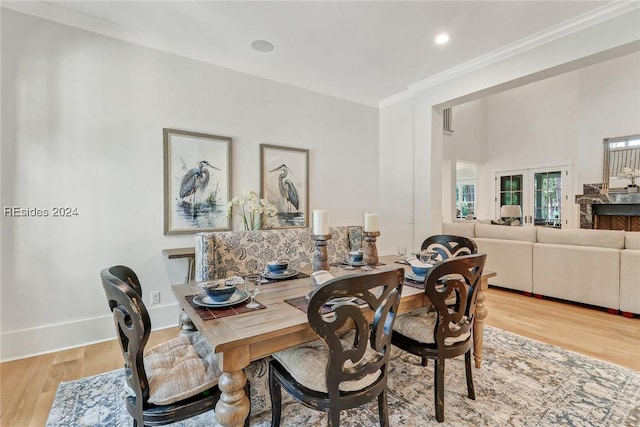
[447, 120]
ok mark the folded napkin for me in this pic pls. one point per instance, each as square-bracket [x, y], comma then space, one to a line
[320, 276]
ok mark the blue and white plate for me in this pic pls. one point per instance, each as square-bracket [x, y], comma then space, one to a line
[411, 276]
[203, 300]
[353, 264]
[286, 275]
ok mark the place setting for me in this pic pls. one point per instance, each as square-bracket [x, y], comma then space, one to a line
[280, 270]
[318, 279]
[223, 297]
[420, 266]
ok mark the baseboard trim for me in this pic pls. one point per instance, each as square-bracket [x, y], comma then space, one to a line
[63, 336]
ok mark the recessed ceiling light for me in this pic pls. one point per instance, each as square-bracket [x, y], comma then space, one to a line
[442, 38]
[262, 45]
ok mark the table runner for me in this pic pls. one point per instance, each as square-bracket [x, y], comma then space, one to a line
[207, 313]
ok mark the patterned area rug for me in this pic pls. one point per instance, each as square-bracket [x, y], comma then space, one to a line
[522, 383]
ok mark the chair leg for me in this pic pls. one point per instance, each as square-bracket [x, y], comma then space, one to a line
[383, 409]
[333, 418]
[438, 385]
[468, 368]
[276, 398]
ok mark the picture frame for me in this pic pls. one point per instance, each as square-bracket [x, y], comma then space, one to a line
[284, 181]
[197, 182]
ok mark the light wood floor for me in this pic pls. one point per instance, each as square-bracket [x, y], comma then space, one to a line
[28, 385]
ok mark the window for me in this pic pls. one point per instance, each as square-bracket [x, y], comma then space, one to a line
[539, 193]
[547, 188]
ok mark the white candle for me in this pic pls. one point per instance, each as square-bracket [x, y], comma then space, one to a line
[320, 222]
[371, 222]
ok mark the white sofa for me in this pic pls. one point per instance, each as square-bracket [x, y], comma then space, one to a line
[630, 274]
[595, 267]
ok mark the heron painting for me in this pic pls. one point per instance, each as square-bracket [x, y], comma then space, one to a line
[197, 181]
[287, 188]
[284, 183]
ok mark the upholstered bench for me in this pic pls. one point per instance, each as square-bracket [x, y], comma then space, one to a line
[223, 254]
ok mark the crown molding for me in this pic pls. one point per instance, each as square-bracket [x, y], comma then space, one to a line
[586, 20]
[54, 12]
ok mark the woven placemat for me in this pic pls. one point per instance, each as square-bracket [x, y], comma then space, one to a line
[417, 285]
[300, 275]
[302, 303]
[207, 313]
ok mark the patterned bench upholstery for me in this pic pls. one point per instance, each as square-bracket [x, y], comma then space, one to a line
[222, 254]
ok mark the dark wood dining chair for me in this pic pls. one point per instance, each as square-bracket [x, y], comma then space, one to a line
[448, 246]
[345, 369]
[169, 382]
[444, 331]
[128, 276]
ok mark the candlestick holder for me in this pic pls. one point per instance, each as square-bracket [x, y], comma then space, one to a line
[320, 258]
[370, 256]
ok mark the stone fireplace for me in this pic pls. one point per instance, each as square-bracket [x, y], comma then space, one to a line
[612, 211]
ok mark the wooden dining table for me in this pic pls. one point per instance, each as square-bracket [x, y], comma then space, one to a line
[241, 338]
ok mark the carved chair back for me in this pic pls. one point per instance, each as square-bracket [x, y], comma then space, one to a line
[457, 277]
[133, 327]
[380, 292]
[448, 246]
[128, 276]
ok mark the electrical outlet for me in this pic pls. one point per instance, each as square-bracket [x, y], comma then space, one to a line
[155, 297]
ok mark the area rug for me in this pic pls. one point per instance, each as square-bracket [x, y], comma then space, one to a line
[521, 383]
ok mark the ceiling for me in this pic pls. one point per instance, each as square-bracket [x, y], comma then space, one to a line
[361, 51]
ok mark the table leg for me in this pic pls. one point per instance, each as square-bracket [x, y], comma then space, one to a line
[185, 323]
[233, 407]
[478, 327]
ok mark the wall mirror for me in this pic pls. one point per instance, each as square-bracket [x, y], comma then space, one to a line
[619, 152]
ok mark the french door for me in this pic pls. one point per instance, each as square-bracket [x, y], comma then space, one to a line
[541, 193]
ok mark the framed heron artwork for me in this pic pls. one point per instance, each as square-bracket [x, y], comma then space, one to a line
[284, 181]
[197, 182]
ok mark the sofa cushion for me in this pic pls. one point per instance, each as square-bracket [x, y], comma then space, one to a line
[511, 259]
[630, 281]
[632, 240]
[464, 229]
[526, 234]
[586, 274]
[601, 238]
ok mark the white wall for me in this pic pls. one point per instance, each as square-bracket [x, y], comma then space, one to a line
[559, 119]
[396, 178]
[82, 124]
[613, 37]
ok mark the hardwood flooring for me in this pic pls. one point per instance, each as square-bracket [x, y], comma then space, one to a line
[29, 385]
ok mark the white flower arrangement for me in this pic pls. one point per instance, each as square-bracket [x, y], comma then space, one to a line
[628, 173]
[255, 213]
